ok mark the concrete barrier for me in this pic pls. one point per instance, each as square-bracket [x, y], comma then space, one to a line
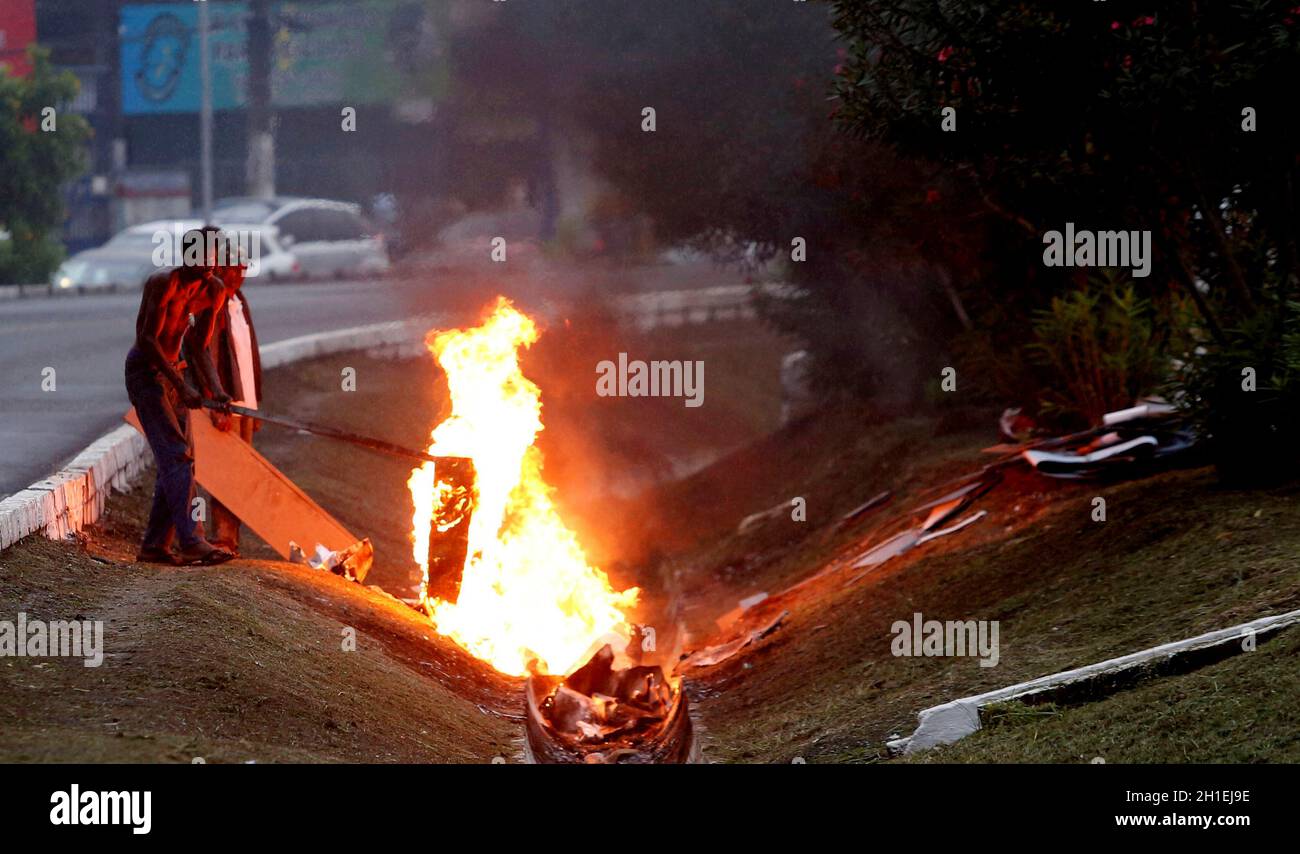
[723, 303]
[74, 496]
[19, 291]
[957, 719]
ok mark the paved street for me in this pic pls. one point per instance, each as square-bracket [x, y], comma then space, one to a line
[85, 339]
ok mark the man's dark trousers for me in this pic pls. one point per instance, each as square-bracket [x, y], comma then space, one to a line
[166, 424]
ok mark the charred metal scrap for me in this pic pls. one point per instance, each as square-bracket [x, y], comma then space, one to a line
[603, 714]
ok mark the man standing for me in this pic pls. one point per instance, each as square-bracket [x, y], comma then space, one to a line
[234, 352]
[172, 300]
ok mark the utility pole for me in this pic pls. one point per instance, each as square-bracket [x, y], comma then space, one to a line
[205, 112]
[260, 173]
[111, 159]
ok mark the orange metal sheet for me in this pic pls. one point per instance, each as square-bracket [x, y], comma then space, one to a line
[259, 493]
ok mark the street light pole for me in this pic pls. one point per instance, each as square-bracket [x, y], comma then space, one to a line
[205, 112]
[260, 174]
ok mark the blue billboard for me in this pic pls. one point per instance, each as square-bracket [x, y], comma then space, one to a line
[325, 53]
[160, 57]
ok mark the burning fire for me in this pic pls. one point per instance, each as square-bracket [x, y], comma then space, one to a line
[527, 591]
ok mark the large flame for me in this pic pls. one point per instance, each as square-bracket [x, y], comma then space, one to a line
[527, 591]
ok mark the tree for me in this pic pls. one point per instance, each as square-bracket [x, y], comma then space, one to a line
[1118, 114]
[1168, 117]
[41, 147]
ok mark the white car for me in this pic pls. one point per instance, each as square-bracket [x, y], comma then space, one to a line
[328, 238]
[158, 244]
[101, 269]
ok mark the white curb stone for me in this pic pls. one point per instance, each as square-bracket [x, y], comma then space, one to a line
[957, 719]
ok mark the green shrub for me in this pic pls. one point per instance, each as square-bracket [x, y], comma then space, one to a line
[1243, 393]
[29, 260]
[34, 163]
[1100, 347]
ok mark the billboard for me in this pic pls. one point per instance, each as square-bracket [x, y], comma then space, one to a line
[374, 51]
[17, 30]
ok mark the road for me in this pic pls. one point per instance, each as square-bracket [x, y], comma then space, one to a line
[85, 340]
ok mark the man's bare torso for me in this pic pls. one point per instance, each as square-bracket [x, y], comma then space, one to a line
[170, 299]
[173, 302]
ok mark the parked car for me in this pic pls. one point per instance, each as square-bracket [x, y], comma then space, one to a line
[276, 264]
[273, 262]
[129, 256]
[328, 238]
[102, 269]
[123, 262]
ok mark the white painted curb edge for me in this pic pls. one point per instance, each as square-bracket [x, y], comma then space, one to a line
[74, 497]
[957, 719]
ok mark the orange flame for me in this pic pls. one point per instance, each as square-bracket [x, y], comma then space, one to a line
[527, 591]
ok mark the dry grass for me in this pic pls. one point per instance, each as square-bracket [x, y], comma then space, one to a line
[240, 663]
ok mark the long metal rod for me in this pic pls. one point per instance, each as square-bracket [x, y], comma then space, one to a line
[342, 435]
